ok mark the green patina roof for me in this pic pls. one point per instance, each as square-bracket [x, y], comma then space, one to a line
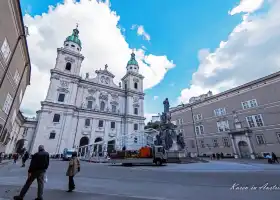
[132, 60]
[74, 37]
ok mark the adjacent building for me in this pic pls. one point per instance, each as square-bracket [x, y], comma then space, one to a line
[242, 122]
[15, 67]
[80, 111]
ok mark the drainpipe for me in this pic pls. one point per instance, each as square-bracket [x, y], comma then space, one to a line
[194, 132]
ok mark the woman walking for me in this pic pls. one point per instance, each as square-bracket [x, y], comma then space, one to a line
[73, 169]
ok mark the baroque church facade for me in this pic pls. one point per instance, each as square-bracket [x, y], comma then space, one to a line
[79, 111]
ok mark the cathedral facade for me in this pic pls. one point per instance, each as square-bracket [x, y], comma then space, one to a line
[79, 111]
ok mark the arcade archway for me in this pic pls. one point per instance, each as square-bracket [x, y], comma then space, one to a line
[83, 141]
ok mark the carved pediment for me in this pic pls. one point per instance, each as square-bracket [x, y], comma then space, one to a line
[64, 84]
[103, 96]
[115, 103]
[136, 80]
[90, 98]
[135, 99]
[136, 105]
[92, 90]
[63, 90]
[69, 59]
[115, 96]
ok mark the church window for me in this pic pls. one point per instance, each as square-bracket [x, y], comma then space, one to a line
[52, 135]
[78, 49]
[67, 45]
[56, 118]
[87, 122]
[135, 140]
[102, 106]
[89, 104]
[114, 108]
[72, 45]
[68, 66]
[113, 125]
[125, 86]
[100, 123]
[135, 127]
[135, 111]
[135, 85]
[130, 67]
[61, 97]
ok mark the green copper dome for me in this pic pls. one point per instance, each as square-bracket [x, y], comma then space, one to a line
[74, 37]
[132, 60]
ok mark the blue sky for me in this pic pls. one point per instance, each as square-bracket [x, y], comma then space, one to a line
[178, 29]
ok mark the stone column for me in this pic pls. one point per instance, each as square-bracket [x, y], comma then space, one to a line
[250, 145]
[233, 146]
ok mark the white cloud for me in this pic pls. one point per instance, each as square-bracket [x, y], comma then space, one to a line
[155, 97]
[141, 31]
[247, 6]
[102, 43]
[251, 51]
[149, 116]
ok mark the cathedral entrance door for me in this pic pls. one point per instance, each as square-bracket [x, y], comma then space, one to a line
[83, 141]
[244, 149]
[111, 146]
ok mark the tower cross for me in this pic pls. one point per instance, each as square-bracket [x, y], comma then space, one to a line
[77, 25]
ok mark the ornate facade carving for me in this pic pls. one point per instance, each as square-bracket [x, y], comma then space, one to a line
[63, 90]
[115, 103]
[136, 80]
[92, 90]
[64, 84]
[90, 98]
[103, 96]
[135, 99]
[69, 59]
[136, 105]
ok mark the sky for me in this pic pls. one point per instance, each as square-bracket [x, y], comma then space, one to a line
[184, 47]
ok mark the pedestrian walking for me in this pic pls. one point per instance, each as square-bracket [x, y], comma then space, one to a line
[37, 169]
[73, 169]
[15, 157]
[25, 158]
[274, 157]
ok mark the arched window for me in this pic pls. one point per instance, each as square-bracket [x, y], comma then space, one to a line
[52, 135]
[135, 85]
[102, 106]
[68, 66]
[114, 108]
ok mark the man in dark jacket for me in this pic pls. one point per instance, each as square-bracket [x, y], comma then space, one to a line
[37, 169]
